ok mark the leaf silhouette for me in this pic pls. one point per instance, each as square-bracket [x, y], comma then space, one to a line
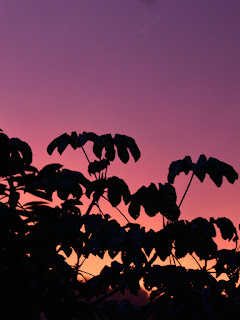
[218, 169]
[227, 229]
[134, 209]
[176, 167]
[23, 147]
[74, 140]
[214, 167]
[50, 169]
[123, 143]
[101, 142]
[60, 143]
[117, 189]
[136, 201]
[199, 168]
[97, 166]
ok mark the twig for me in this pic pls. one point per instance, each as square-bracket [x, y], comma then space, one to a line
[196, 260]
[88, 160]
[83, 276]
[186, 190]
[117, 209]
[87, 273]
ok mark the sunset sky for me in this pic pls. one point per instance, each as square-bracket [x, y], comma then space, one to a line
[166, 72]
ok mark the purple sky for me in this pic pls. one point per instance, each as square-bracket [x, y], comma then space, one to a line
[165, 72]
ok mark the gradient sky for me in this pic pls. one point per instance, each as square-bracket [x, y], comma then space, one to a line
[165, 72]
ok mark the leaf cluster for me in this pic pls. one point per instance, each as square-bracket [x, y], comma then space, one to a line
[38, 237]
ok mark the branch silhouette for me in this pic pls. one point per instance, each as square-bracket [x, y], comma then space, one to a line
[38, 237]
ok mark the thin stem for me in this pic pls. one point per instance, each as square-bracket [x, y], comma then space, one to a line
[77, 266]
[86, 155]
[82, 262]
[205, 266]
[94, 202]
[176, 259]
[99, 209]
[88, 160]
[117, 209]
[83, 276]
[106, 172]
[196, 260]
[164, 225]
[4, 197]
[152, 259]
[90, 274]
[186, 190]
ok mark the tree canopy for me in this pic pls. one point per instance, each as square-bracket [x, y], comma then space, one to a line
[37, 237]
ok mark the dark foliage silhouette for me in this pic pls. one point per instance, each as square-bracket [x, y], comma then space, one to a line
[36, 237]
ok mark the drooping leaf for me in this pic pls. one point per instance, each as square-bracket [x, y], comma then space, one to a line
[176, 167]
[134, 209]
[74, 140]
[60, 143]
[151, 200]
[109, 147]
[203, 226]
[125, 143]
[199, 168]
[136, 200]
[132, 146]
[23, 148]
[118, 189]
[123, 153]
[167, 203]
[227, 229]
[218, 169]
[163, 244]
[114, 196]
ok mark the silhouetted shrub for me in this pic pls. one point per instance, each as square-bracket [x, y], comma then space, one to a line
[36, 279]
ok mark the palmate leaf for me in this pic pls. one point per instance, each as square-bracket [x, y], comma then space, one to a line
[215, 168]
[155, 200]
[118, 190]
[104, 141]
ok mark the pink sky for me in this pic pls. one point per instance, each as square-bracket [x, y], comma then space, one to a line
[166, 73]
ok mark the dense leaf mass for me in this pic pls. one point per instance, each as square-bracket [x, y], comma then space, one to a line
[37, 238]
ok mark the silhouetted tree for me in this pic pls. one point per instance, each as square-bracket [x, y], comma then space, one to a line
[36, 280]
